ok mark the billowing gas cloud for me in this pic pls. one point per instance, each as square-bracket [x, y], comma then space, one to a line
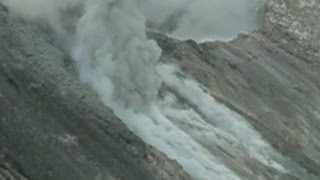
[203, 19]
[107, 37]
[196, 19]
[111, 45]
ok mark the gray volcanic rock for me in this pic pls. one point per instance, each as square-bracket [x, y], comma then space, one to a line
[54, 127]
[270, 77]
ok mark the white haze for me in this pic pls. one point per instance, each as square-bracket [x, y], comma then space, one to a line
[119, 62]
[111, 41]
[200, 20]
[50, 12]
[203, 19]
[114, 56]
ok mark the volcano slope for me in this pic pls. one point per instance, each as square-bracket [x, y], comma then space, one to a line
[54, 127]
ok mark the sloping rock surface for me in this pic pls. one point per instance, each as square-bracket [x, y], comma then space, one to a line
[270, 77]
[54, 127]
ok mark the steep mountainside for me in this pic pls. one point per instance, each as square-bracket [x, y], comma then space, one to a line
[54, 127]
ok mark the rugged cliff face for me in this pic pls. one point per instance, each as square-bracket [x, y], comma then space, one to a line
[52, 126]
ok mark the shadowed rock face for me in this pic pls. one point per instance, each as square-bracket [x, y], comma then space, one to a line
[54, 127]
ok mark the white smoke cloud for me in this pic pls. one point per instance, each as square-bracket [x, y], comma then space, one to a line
[185, 19]
[111, 39]
[203, 19]
[115, 57]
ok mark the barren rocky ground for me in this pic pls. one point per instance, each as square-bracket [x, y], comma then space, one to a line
[54, 127]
